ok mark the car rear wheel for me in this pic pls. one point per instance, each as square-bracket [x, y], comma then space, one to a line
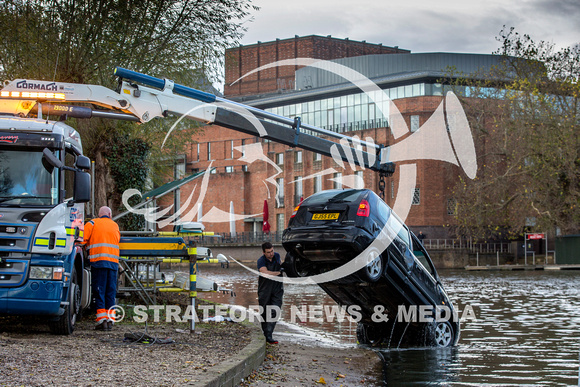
[296, 266]
[373, 270]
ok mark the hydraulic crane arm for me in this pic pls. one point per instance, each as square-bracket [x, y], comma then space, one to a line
[141, 98]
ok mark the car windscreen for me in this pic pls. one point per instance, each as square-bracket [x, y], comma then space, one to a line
[24, 180]
[422, 256]
[333, 196]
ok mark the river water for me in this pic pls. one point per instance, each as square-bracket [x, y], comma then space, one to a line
[519, 328]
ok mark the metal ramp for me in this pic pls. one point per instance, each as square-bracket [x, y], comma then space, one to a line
[143, 255]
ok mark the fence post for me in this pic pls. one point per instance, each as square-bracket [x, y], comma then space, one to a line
[193, 284]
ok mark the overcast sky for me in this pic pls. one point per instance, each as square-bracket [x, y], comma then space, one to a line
[463, 26]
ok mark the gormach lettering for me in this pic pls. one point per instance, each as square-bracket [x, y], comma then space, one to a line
[36, 86]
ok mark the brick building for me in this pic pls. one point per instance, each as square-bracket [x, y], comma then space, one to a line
[324, 99]
[244, 59]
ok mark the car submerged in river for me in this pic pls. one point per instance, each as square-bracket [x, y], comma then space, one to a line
[397, 290]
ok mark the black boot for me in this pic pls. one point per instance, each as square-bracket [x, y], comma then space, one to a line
[101, 326]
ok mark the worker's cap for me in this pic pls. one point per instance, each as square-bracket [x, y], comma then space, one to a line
[105, 211]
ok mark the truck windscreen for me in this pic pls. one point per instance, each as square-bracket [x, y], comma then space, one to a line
[24, 181]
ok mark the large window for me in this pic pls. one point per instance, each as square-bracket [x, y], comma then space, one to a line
[280, 192]
[180, 169]
[414, 123]
[452, 206]
[298, 157]
[359, 180]
[24, 180]
[317, 183]
[297, 189]
[357, 111]
[69, 176]
[280, 224]
[416, 195]
[337, 178]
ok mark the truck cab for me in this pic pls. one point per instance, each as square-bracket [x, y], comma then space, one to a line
[43, 188]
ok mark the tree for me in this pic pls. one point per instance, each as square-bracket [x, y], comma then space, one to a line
[82, 41]
[526, 120]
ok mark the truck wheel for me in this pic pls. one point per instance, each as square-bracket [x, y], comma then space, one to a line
[65, 325]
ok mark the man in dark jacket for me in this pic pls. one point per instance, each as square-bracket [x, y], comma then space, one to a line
[270, 292]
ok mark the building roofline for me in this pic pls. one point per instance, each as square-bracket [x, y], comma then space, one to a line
[275, 98]
[427, 75]
[328, 37]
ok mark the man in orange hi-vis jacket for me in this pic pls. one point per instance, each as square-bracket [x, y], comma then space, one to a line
[102, 237]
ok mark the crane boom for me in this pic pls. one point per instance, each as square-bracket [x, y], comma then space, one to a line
[157, 97]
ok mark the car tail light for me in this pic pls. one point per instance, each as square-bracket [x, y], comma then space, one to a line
[295, 211]
[364, 209]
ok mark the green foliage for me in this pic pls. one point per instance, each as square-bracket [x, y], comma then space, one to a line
[169, 144]
[127, 157]
[527, 132]
[82, 41]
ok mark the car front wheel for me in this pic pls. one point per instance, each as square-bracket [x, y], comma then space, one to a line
[443, 334]
[368, 334]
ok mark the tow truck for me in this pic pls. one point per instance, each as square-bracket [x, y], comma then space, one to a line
[41, 205]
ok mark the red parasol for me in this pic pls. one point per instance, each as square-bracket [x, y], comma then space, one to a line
[266, 226]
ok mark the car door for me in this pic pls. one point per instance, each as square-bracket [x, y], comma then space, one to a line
[401, 269]
[424, 274]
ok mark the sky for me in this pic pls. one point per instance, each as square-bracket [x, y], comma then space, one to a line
[462, 26]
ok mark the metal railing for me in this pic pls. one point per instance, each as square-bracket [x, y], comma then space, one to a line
[491, 248]
[460, 244]
[257, 238]
[241, 238]
[444, 244]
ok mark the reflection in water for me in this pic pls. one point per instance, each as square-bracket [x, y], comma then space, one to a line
[420, 366]
[525, 332]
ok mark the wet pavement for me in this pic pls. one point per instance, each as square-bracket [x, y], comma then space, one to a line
[521, 328]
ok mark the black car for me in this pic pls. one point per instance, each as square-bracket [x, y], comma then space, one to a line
[396, 279]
